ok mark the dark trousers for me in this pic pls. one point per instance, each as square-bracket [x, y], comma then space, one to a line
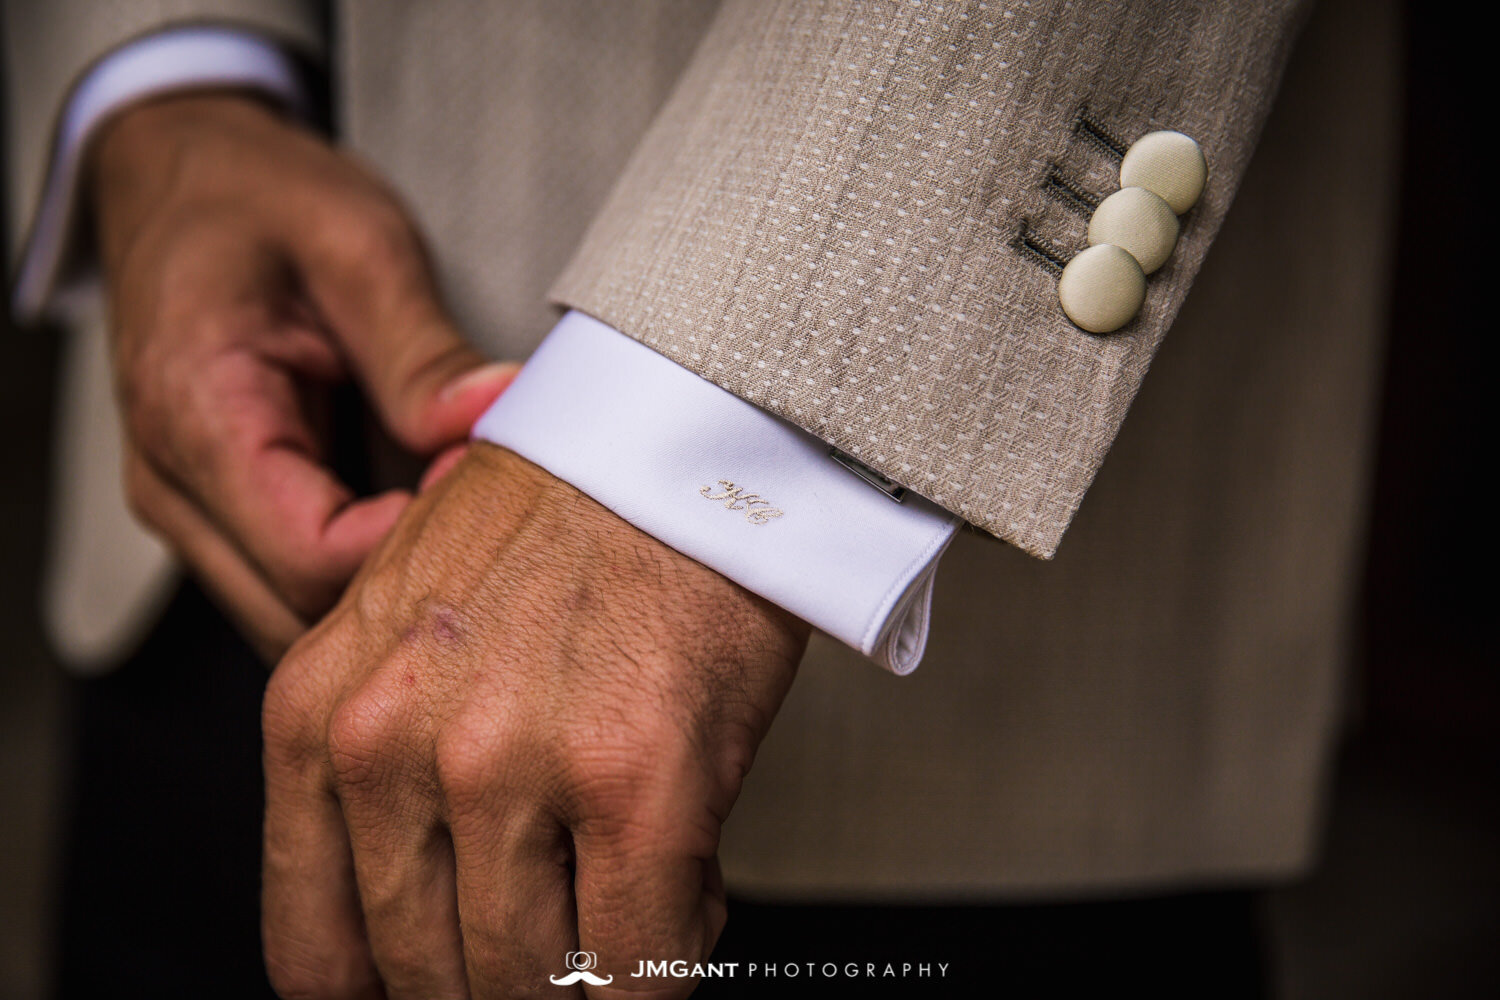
[160, 869]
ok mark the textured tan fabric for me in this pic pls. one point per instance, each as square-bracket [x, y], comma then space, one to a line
[821, 221]
[1157, 704]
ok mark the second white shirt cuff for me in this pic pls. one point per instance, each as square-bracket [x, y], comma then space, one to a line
[176, 59]
[745, 493]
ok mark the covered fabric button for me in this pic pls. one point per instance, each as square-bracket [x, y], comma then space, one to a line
[1102, 288]
[1137, 221]
[1168, 164]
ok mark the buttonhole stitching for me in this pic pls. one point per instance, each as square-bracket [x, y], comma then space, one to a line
[1074, 196]
[1029, 245]
[1089, 128]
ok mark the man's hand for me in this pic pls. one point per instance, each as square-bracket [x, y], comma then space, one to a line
[251, 265]
[526, 719]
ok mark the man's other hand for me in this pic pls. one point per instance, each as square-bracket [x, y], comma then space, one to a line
[525, 719]
[250, 266]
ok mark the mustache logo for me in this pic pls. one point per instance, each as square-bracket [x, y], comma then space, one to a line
[581, 974]
[581, 962]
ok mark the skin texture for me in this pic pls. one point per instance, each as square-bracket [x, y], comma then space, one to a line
[251, 267]
[518, 731]
[527, 719]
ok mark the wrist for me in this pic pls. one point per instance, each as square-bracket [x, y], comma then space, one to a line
[525, 497]
[522, 491]
[726, 483]
[151, 131]
[139, 155]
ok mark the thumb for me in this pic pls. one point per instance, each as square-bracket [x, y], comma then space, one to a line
[459, 403]
[431, 387]
[373, 287]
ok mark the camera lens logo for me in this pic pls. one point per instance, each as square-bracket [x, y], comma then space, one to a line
[581, 962]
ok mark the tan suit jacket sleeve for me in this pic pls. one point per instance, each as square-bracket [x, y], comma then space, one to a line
[826, 219]
[50, 45]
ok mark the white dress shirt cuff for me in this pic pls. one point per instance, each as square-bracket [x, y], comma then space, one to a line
[718, 479]
[172, 60]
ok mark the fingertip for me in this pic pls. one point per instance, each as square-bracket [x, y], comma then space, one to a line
[491, 378]
[448, 414]
[465, 398]
[356, 530]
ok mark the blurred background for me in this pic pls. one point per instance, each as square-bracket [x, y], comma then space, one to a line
[1406, 902]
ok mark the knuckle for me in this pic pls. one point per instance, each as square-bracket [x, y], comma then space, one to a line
[609, 782]
[372, 233]
[467, 760]
[364, 731]
[287, 716]
[170, 412]
[378, 595]
[732, 763]
[636, 794]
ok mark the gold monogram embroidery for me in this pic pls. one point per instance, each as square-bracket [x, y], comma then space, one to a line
[758, 510]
